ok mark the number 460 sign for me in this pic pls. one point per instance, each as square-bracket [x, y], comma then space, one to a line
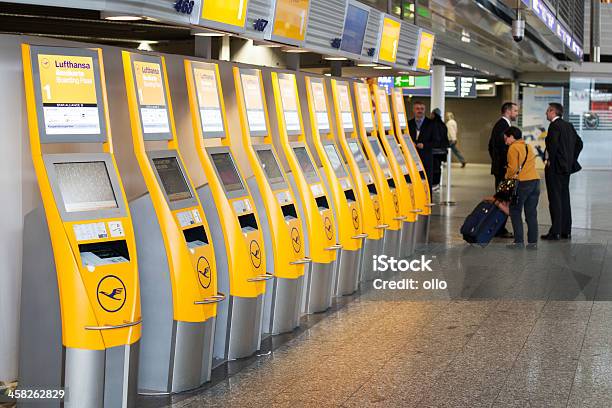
[184, 6]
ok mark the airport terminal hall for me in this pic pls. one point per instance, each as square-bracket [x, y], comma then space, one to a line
[306, 203]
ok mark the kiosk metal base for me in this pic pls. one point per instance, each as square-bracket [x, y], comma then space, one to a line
[285, 308]
[91, 378]
[243, 326]
[391, 242]
[348, 272]
[180, 362]
[318, 288]
[371, 247]
[408, 240]
[422, 233]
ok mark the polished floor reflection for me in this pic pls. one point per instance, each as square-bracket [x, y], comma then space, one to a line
[513, 328]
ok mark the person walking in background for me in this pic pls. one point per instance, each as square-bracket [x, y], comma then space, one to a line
[498, 150]
[440, 145]
[451, 125]
[521, 166]
[563, 146]
[420, 128]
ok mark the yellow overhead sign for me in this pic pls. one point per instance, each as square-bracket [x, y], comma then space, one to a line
[231, 12]
[425, 55]
[290, 19]
[389, 40]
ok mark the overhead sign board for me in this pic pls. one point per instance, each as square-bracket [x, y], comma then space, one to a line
[389, 39]
[290, 21]
[541, 10]
[224, 14]
[355, 23]
[424, 56]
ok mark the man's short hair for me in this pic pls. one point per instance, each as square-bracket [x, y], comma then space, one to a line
[514, 132]
[418, 103]
[557, 107]
[507, 106]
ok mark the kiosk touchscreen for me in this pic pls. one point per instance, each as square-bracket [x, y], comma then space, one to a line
[339, 183]
[365, 186]
[422, 196]
[399, 168]
[283, 237]
[80, 301]
[231, 213]
[175, 255]
[385, 182]
[313, 201]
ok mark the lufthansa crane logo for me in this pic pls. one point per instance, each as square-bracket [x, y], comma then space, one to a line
[377, 209]
[329, 232]
[296, 241]
[396, 202]
[255, 253]
[45, 63]
[355, 218]
[204, 273]
[111, 293]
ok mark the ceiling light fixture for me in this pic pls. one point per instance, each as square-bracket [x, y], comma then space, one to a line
[335, 58]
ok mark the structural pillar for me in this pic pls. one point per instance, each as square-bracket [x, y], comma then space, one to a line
[293, 61]
[336, 68]
[224, 53]
[437, 88]
[595, 31]
[203, 47]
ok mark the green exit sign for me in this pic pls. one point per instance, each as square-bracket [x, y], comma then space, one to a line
[403, 81]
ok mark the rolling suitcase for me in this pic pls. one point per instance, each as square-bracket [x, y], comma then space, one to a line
[483, 223]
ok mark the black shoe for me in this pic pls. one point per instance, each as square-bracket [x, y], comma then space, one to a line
[532, 246]
[551, 237]
[566, 236]
[516, 245]
[505, 235]
[463, 164]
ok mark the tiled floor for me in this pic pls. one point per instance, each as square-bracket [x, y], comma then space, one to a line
[512, 329]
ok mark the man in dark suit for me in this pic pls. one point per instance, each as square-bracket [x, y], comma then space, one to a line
[421, 131]
[563, 146]
[498, 150]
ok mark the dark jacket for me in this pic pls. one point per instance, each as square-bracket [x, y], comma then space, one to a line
[439, 136]
[425, 135]
[563, 146]
[498, 151]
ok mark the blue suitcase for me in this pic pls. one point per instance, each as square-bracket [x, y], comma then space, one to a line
[483, 223]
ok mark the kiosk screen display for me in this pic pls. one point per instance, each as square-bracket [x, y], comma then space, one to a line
[396, 151]
[354, 29]
[270, 166]
[227, 171]
[358, 155]
[172, 178]
[85, 186]
[380, 156]
[414, 153]
[305, 162]
[335, 160]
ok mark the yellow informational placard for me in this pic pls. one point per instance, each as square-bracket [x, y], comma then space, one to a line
[231, 12]
[290, 19]
[67, 79]
[426, 44]
[208, 100]
[320, 105]
[149, 83]
[389, 40]
[289, 100]
[254, 102]
[363, 94]
[384, 107]
[68, 94]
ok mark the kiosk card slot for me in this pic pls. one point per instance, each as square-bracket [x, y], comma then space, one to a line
[248, 222]
[372, 189]
[322, 203]
[350, 195]
[195, 236]
[289, 212]
[103, 253]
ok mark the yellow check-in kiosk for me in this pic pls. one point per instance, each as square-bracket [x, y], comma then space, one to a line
[234, 222]
[313, 202]
[399, 168]
[363, 179]
[422, 195]
[338, 181]
[386, 184]
[80, 301]
[283, 233]
[175, 254]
